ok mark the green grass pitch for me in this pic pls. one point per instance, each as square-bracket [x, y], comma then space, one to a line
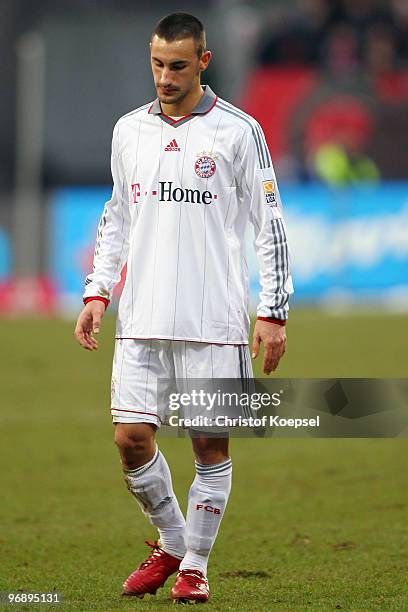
[312, 524]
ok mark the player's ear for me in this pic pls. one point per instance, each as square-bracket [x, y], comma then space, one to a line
[205, 60]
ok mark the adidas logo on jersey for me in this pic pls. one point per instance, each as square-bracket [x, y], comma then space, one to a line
[172, 146]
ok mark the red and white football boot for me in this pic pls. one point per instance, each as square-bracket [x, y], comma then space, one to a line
[152, 573]
[191, 587]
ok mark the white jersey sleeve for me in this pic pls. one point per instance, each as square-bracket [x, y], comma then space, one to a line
[259, 185]
[112, 240]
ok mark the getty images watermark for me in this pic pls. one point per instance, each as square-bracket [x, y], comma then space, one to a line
[332, 407]
[245, 402]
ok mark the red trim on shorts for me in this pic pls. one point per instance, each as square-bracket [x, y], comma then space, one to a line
[136, 412]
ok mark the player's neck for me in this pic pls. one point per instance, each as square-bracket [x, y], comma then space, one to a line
[186, 105]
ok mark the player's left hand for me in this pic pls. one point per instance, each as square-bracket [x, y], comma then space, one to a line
[273, 337]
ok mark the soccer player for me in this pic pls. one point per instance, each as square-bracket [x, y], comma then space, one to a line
[189, 171]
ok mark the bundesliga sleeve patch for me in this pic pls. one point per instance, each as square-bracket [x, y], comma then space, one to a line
[269, 191]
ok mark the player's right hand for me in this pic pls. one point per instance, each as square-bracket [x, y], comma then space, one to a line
[89, 321]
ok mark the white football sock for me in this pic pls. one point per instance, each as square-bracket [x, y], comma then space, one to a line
[152, 487]
[207, 501]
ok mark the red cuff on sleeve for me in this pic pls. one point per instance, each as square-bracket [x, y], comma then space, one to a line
[97, 297]
[281, 322]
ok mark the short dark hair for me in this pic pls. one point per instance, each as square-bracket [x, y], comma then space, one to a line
[182, 25]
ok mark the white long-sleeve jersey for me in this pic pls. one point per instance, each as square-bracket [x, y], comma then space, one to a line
[183, 193]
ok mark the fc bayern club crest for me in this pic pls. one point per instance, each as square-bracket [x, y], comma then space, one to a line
[205, 165]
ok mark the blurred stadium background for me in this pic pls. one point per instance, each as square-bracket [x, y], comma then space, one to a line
[327, 80]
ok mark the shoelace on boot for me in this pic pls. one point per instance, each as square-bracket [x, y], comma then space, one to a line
[156, 554]
[193, 577]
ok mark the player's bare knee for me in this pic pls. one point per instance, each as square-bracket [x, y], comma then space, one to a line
[210, 450]
[134, 438]
[129, 447]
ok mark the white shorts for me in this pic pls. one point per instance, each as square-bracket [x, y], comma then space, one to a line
[138, 364]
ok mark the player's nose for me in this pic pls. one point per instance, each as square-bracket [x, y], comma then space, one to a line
[165, 80]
